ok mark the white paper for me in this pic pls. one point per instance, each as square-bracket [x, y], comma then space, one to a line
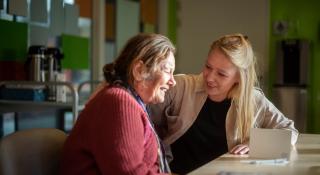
[266, 161]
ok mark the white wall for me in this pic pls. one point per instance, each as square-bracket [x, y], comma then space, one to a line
[163, 17]
[201, 22]
[127, 22]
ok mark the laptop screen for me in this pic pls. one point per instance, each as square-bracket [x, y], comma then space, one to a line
[270, 143]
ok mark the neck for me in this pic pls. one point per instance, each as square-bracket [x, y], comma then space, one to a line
[217, 98]
[136, 89]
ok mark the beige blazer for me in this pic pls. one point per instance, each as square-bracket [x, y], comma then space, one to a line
[184, 101]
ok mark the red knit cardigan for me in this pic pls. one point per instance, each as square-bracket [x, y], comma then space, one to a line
[111, 136]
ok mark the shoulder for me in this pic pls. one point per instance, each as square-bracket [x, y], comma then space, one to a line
[187, 77]
[115, 96]
[258, 94]
[258, 91]
[263, 104]
[112, 92]
[189, 81]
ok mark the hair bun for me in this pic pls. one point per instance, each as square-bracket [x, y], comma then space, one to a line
[109, 72]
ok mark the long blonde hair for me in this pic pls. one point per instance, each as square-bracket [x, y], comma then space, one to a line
[238, 48]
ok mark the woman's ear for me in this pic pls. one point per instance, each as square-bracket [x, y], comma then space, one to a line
[137, 71]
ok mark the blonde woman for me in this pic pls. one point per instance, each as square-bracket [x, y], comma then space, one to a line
[207, 115]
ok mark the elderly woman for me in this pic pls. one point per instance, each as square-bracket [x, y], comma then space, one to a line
[113, 134]
[209, 114]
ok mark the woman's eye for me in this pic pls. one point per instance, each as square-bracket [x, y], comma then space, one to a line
[222, 75]
[167, 70]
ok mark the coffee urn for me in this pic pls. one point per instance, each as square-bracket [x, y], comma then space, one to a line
[36, 63]
[53, 70]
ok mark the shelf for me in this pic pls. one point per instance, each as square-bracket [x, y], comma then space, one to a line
[27, 106]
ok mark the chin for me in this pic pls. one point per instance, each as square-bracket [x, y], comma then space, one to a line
[158, 100]
[211, 91]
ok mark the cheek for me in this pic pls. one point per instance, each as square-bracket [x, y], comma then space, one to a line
[156, 84]
[230, 83]
[163, 79]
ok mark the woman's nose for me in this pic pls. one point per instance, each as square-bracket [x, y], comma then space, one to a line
[172, 82]
[211, 76]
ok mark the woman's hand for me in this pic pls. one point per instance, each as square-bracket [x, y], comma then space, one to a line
[240, 149]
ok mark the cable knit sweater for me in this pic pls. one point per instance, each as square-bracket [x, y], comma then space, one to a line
[111, 136]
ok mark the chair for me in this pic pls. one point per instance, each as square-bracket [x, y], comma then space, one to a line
[31, 152]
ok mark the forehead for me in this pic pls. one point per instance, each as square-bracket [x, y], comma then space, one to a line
[169, 61]
[217, 58]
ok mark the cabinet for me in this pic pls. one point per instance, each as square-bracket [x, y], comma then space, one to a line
[29, 106]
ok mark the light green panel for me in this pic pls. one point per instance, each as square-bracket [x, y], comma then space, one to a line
[13, 41]
[127, 21]
[76, 52]
[172, 20]
[304, 22]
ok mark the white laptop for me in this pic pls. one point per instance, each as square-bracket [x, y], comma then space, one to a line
[270, 143]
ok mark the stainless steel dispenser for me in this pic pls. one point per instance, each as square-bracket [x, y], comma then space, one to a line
[36, 63]
[53, 69]
[290, 89]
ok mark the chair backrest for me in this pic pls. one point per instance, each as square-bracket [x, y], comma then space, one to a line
[31, 152]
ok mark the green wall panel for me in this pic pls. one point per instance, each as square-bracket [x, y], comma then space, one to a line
[303, 19]
[76, 52]
[13, 41]
[172, 21]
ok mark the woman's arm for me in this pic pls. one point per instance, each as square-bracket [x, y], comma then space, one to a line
[268, 116]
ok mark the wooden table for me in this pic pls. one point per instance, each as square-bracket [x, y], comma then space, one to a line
[304, 160]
